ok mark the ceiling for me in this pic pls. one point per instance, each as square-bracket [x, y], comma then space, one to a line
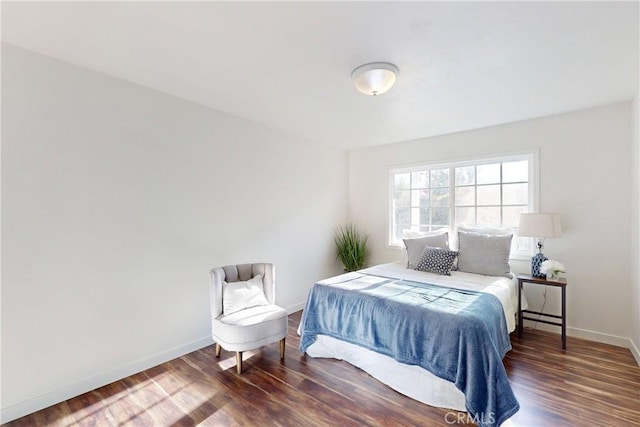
[287, 65]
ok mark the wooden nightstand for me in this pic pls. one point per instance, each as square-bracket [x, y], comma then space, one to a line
[560, 283]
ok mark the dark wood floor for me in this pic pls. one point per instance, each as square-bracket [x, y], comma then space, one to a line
[589, 384]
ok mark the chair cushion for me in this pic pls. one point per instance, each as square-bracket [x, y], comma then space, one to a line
[240, 295]
[256, 326]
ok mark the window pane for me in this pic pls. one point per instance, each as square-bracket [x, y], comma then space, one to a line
[466, 175]
[420, 228]
[401, 181]
[515, 194]
[415, 216]
[420, 198]
[440, 216]
[465, 196]
[424, 216]
[402, 198]
[489, 216]
[466, 216]
[524, 244]
[515, 171]
[420, 179]
[440, 197]
[488, 174]
[403, 216]
[439, 178]
[399, 231]
[488, 195]
[419, 216]
[511, 215]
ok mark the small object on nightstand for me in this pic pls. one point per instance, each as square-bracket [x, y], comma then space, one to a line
[536, 262]
[539, 225]
[561, 283]
[552, 269]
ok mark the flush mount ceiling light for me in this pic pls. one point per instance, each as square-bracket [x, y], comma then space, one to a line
[375, 78]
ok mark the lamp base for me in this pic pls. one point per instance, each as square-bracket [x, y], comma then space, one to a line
[536, 262]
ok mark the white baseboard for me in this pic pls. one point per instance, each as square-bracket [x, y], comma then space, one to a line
[296, 307]
[45, 400]
[588, 335]
[634, 350]
[598, 337]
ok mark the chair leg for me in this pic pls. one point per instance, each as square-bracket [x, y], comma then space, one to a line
[239, 362]
[282, 341]
[218, 348]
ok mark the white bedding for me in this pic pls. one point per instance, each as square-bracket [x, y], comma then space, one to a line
[410, 380]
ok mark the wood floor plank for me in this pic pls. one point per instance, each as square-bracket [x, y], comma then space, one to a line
[588, 384]
[88, 410]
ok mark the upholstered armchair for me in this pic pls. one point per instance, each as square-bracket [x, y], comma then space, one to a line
[243, 311]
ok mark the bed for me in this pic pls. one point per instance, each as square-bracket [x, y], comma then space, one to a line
[388, 289]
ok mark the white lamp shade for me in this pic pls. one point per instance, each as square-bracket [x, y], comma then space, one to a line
[540, 224]
[375, 78]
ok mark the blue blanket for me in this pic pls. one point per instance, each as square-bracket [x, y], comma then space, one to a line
[458, 335]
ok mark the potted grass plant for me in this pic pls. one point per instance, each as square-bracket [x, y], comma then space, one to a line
[351, 247]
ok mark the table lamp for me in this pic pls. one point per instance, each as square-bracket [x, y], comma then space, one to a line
[539, 225]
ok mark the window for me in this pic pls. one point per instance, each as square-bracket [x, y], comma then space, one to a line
[487, 192]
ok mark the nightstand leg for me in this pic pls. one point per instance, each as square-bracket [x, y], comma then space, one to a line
[564, 318]
[520, 326]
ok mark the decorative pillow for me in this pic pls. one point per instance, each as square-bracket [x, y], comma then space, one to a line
[415, 247]
[437, 260]
[484, 253]
[237, 296]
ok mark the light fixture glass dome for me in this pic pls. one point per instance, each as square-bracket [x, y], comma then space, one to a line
[374, 78]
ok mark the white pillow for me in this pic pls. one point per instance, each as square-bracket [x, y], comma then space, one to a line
[237, 296]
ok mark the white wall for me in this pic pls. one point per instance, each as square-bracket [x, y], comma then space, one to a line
[117, 200]
[635, 230]
[585, 174]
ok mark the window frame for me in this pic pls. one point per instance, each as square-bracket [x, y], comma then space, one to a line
[532, 156]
